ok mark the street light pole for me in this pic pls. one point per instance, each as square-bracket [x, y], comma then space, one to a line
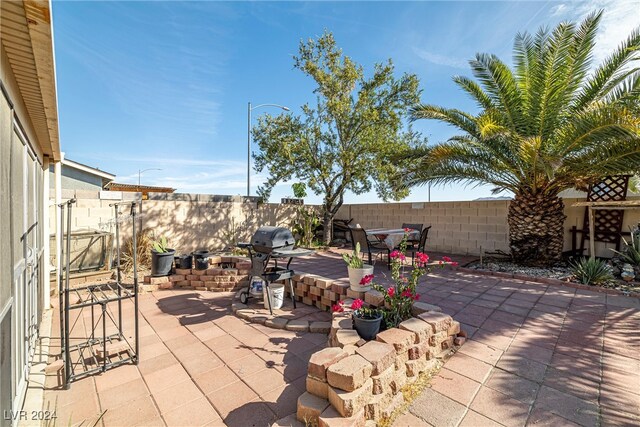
[249, 109]
[145, 170]
[249, 150]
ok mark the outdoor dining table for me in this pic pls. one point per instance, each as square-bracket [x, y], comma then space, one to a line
[392, 237]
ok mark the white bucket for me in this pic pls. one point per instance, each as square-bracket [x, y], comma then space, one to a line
[277, 295]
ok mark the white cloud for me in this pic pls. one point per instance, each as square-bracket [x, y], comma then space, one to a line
[558, 9]
[619, 19]
[439, 59]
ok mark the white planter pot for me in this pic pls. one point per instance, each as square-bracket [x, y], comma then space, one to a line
[356, 275]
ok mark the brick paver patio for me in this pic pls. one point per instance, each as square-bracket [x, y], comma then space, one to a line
[537, 355]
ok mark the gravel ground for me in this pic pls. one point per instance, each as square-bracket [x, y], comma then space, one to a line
[562, 272]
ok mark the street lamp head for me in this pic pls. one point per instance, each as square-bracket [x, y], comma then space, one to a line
[286, 108]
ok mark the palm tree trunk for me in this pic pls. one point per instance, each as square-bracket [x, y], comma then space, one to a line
[536, 228]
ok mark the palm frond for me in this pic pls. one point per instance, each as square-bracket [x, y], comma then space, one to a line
[597, 86]
[476, 92]
[463, 121]
[501, 85]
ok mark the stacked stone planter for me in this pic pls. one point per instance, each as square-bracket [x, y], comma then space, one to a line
[354, 381]
[311, 289]
[225, 273]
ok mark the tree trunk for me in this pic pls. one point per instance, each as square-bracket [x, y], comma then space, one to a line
[536, 228]
[327, 223]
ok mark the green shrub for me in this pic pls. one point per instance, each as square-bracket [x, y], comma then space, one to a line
[631, 252]
[592, 271]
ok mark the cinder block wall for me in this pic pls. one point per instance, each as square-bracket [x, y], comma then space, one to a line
[189, 221]
[195, 221]
[465, 227]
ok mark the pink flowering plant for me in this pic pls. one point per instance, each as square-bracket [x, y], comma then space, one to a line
[399, 298]
[359, 309]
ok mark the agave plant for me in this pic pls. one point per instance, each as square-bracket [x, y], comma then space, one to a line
[631, 252]
[592, 271]
[551, 123]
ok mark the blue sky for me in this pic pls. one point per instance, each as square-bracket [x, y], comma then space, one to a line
[166, 84]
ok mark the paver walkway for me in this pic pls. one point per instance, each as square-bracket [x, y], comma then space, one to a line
[542, 355]
[199, 365]
[537, 355]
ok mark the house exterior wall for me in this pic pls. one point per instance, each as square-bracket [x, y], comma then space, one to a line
[74, 179]
[22, 207]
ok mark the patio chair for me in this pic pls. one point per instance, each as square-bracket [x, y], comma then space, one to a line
[413, 227]
[359, 235]
[420, 246]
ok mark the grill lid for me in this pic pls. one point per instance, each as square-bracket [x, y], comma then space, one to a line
[268, 238]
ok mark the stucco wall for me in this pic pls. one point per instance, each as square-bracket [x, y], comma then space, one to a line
[74, 179]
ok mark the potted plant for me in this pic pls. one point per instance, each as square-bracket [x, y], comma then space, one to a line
[366, 320]
[399, 297]
[161, 258]
[357, 270]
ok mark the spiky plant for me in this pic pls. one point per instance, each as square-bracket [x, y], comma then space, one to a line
[549, 124]
[592, 271]
[631, 252]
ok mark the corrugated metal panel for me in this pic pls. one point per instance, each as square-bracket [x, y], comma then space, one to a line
[25, 30]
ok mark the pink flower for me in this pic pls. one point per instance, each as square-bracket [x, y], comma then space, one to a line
[446, 259]
[337, 308]
[396, 254]
[357, 304]
[423, 259]
[407, 229]
[441, 262]
[454, 263]
[366, 279]
[407, 293]
[391, 292]
[416, 297]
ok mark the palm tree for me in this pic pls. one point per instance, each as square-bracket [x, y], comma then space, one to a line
[546, 125]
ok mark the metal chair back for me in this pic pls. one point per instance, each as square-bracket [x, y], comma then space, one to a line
[423, 238]
[358, 235]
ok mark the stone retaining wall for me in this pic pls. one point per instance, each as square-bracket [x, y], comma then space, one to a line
[225, 273]
[354, 381]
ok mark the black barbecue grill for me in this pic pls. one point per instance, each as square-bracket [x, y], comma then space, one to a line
[271, 243]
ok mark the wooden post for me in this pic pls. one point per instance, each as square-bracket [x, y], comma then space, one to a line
[592, 231]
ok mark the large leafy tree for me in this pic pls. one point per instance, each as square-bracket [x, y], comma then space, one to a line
[344, 142]
[550, 123]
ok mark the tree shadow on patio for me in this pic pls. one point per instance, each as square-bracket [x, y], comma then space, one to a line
[193, 308]
[287, 354]
[539, 353]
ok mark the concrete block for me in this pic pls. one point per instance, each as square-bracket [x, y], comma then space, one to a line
[297, 326]
[331, 418]
[349, 373]
[438, 321]
[321, 360]
[349, 403]
[320, 327]
[400, 339]
[317, 387]
[346, 337]
[382, 381]
[380, 355]
[421, 329]
[310, 407]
